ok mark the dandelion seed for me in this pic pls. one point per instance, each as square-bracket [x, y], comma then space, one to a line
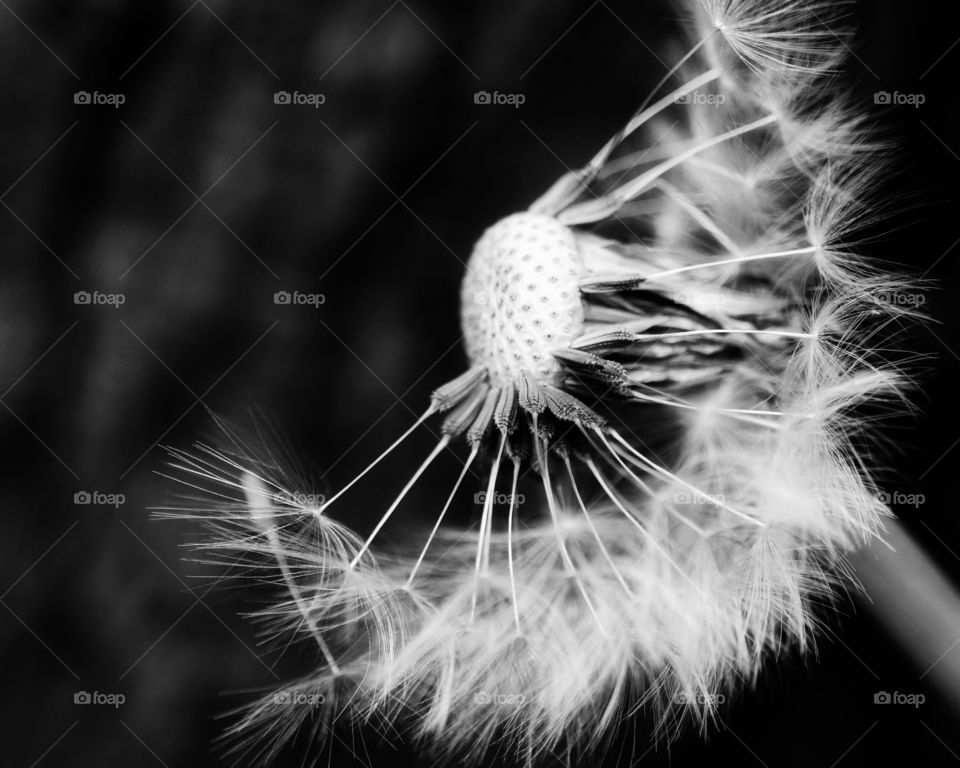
[686, 396]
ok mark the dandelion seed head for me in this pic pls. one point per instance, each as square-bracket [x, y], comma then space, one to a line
[521, 298]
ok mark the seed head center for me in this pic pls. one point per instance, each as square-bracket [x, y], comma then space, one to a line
[520, 298]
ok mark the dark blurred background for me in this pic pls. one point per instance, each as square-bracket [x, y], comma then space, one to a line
[198, 198]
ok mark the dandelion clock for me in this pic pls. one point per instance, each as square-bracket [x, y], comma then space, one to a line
[668, 357]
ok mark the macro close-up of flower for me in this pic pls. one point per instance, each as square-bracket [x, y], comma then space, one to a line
[668, 313]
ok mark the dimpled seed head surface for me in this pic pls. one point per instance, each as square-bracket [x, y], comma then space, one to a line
[520, 298]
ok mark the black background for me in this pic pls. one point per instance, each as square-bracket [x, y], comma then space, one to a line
[96, 598]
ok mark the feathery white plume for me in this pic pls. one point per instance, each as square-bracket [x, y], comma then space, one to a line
[686, 402]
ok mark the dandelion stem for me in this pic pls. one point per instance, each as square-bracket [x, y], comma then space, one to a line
[916, 601]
